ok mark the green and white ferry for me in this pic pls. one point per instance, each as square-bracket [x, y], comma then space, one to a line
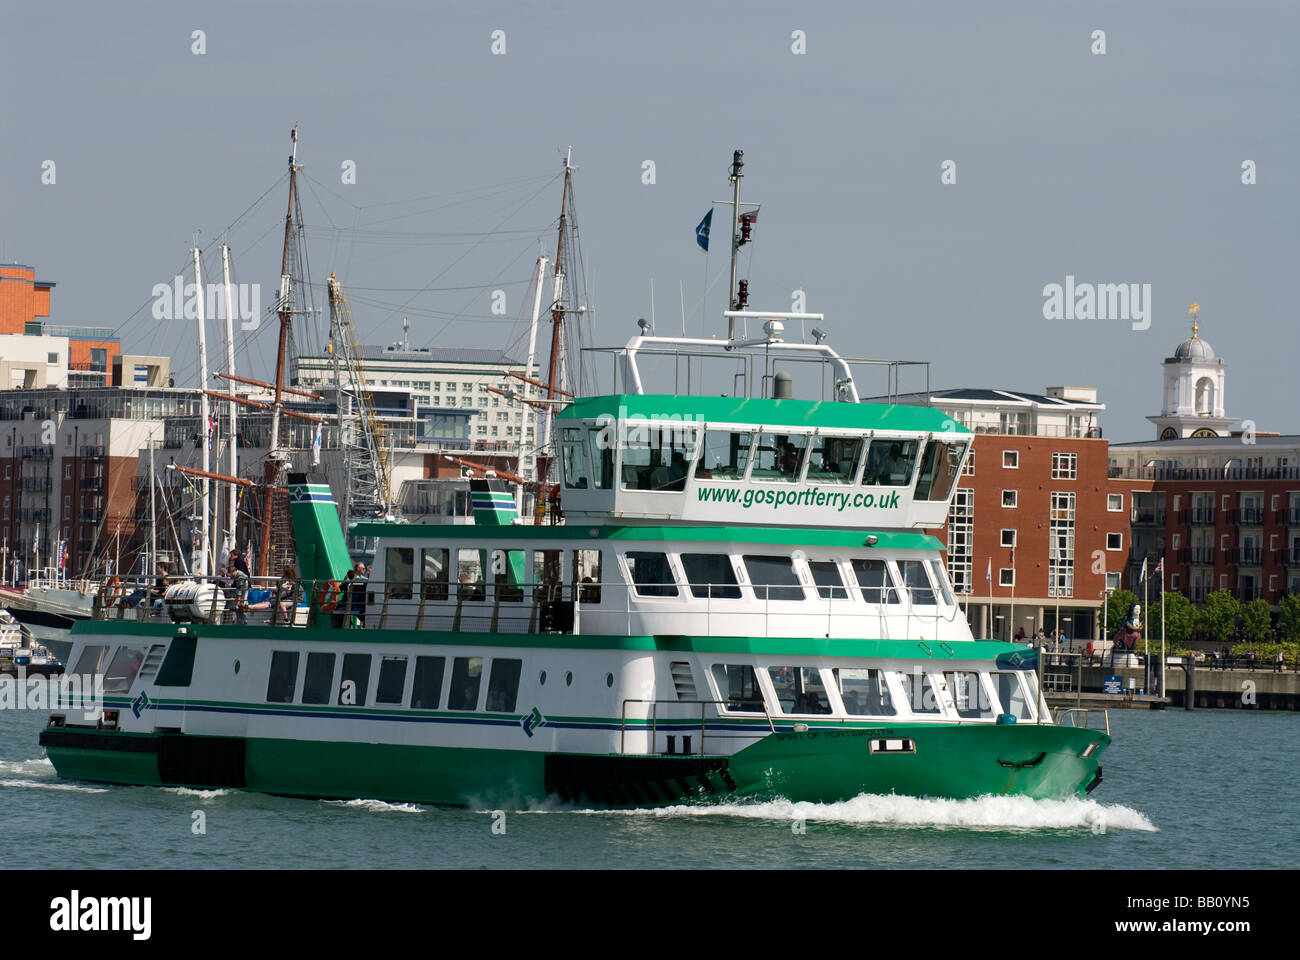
[741, 602]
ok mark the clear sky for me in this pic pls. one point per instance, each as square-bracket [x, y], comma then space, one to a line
[1122, 167]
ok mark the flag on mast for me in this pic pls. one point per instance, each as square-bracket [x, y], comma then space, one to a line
[315, 448]
[702, 231]
[988, 572]
[1143, 575]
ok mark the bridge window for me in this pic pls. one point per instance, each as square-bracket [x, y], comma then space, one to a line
[939, 469]
[355, 679]
[917, 583]
[469, 575]
[826, 574]
[573, 452]
[1011, 695]
[738, 687]
[936, 568]
[124, 666]
[657, 456]
[890, 462]
[434, 574]
[875, 580]
[399, 571]
[320, 676]
[773, 578]
[508, 575]
[711, 575]
[651, 574]
[778, 456]
[283, 679]
[92, 656]
[920, 692]
[392, 678]
[503, 685]
[969, 696]
[603, 475]
[426, 690]
[466, 679]
[834, 459]
[864, 692]
[725, 455]
[799, 689]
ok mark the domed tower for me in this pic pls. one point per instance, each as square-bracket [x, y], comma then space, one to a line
[1192, 382]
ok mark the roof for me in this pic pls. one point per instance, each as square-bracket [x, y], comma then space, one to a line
[439, 355]
[988, 394]
[822, 414]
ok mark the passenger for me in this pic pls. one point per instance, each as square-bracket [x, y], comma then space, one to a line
[851, 704]
[239, 591]
[789, 459]
[357, 596]
[160, 587]
[676, 472]
[589, 593]
[289, 594]
[343, 608]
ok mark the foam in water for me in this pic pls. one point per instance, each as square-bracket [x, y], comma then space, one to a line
[40, 767]
[989, 812]
[38, 785]
[191, 792]
[378, 806]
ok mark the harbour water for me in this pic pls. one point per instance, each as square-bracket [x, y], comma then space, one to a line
[1201, 790]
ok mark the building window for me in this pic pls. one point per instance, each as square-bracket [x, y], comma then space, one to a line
[1114, 541]
[1006, 577]
[969, 469]
[1009, 498]
[961, 539]
[1011, 459]
[1065, 466]
[1008, 538]
[1112, 581]
[1115, 502]
[1060, 562]
[1174, 580]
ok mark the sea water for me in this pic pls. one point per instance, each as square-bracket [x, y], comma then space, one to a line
[1183, 790]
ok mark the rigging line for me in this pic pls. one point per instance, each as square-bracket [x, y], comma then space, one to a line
[467, 286]
[529, 247]
[502, 187]
[487, 196]
[495, 191]
[474, 247]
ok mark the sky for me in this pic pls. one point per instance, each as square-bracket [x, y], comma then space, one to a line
[1117, 167]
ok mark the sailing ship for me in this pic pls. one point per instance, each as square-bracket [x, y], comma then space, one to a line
[741, 602]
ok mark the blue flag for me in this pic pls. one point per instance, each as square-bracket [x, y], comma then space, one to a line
[702, 231]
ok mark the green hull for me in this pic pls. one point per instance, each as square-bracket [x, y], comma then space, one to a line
[822, 765]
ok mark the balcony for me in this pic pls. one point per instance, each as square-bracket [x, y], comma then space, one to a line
[1203, 473]
[1246, 594]
[92, 483]
[37, 484]
[1199, 555]
[1198, 517]
[37, 453]
[92, 451]
[1246, 556]
[1247, 516]
[1289, 558]
[1148, 518]
[38, 515]
[1289, 517]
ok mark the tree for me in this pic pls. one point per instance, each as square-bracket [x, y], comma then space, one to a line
[1256, 623]
[1118, 606]
[1218, 615]
[1288, 616]
[1179, 617]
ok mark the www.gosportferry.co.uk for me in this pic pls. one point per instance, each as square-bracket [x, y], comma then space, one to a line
[839, 500]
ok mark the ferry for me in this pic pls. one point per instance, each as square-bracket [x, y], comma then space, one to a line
[741, 601]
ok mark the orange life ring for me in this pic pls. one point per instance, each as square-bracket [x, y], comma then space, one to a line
[332, 588]
[114, 592]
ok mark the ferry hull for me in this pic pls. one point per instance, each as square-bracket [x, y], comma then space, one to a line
[823, 765]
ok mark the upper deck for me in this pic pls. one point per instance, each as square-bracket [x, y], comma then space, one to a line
[655, 458]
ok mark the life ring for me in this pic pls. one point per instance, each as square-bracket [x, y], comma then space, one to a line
[333, 589]
[114, 592]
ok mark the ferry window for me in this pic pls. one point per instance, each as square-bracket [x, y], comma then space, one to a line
[725, 455]
[778, 456]
[773, 578]
[399, 571]
[651, 574]
[587, 573]
[573, 449]
[1011, 696]
[355, 679]
[864, 692]
[548, 573]
[920, 692]
[434, 573]
[392, 678]
[875, 580]
[939, 469]
[826, 574]
[503, 685]
[711, 575]
[738, 687]
[603, 475]
[657, 456]
[426, 690]
[936, 568]
[284, 676]
[508, 575]
[969, 696]
[122, 669]
[890, 462]
[466, 678]
[469, 575]
[834, 459]
[319, 677]
[917, 583]
[92, 657]
[799, 689]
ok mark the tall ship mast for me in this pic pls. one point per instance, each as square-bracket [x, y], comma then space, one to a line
[741, 603]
